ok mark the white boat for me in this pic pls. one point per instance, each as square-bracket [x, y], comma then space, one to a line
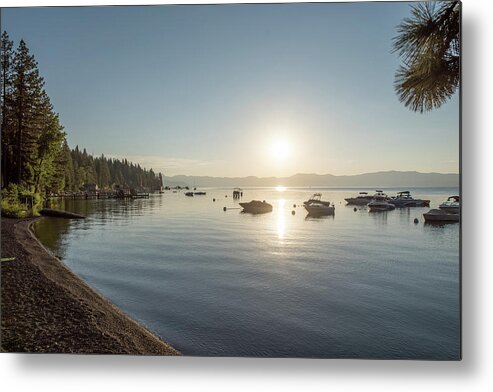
[439, 216]
[404, 199]
[256, 207]
[361, 200]
[316, 206]
[451, 206]
[380, 205]
[364, 198]
[380, 202]
[320, 209]
[316, 198]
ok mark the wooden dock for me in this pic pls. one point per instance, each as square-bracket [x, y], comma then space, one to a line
[102, 195]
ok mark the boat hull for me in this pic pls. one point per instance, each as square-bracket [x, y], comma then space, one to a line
[320, 210]
[256, 208]
[355, 201]
[376, 207]
[410, 203]
[439, 216]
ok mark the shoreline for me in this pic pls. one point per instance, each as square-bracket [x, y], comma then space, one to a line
[46, 308]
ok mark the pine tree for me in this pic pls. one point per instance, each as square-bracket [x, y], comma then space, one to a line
[65, 160]
[7, 89]
[104, 173]
[429, 44]
[29, 107]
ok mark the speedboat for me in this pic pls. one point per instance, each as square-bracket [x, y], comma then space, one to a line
[451, 206]
[316, 206]
[380, 202]
[256, 207]
[316, 198]
[364, 198]
[320, 209]
[439, 216]
[380, 205]
[361, 200]
[404, 199]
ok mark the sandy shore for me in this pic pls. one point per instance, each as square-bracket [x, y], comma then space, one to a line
[47, 308]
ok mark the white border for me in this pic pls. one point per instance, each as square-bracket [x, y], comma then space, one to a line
[113, 373]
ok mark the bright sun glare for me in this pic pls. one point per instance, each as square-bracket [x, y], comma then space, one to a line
[280, 150]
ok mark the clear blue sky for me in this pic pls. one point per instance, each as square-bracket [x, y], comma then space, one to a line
[209, 90]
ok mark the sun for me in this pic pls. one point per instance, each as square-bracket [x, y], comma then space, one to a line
[280, 150]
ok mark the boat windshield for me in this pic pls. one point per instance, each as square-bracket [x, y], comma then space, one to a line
[316, 196]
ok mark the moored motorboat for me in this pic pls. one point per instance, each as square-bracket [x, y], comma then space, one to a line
[380, 205]
[380, 202]
[451, 206]
[364, 198]
[439, 216]
[316, 198]
[256, 207]
[361, 200]
[404, 199]
[188, 193]
[316, 206]
[319, 209]
[200, 193]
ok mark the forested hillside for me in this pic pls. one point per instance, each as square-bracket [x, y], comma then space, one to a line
[36, 159]
[81, 168]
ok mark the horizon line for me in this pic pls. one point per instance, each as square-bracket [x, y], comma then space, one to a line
[314, 174]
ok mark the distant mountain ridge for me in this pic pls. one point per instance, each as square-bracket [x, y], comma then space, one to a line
[367, 180]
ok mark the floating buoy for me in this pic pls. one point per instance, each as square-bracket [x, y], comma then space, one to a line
[416, 220]
[293, 212]
[294, 205]
[224, 208]
[225, 195]
[355, 209]
[213, 200]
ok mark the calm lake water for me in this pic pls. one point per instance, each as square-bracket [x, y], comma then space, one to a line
[215, 283]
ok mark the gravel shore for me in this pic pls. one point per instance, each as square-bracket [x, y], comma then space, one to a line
[48, 309]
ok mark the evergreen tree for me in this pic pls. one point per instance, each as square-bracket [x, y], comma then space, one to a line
[35, 154]
[7, 57]
[104, 173]
[29, 107]
[65, 160]
[429, 44]
[48, 169]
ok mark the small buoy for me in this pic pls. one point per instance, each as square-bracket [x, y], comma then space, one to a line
[416, 220]
[294, 206]
[224, 208]
[355, 209]
[293, 212]
[225, 195]
[213, 200]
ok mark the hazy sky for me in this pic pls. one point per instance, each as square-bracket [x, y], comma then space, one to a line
[236, 90]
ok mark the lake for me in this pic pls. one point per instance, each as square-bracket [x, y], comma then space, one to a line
[216, 283]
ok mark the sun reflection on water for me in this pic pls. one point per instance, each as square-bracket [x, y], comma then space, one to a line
[281, 219]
